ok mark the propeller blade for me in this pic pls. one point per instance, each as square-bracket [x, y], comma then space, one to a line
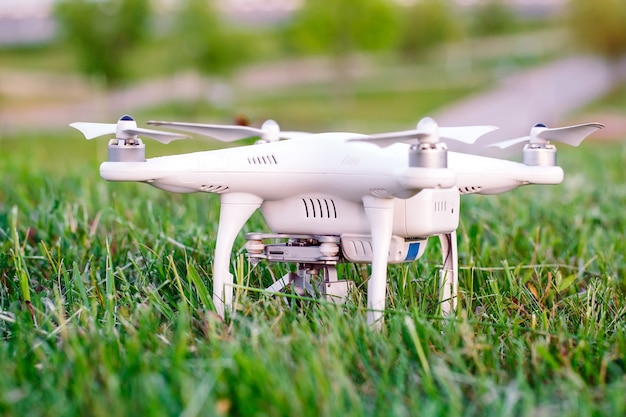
[292, 134]
[232, 133]
[224, 133]
[572, 135]
[508, 143]
[163, 137]
[94, 130]
[465, 134]
[387, 139]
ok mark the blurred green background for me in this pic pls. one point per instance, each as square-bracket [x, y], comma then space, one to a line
[308, 64]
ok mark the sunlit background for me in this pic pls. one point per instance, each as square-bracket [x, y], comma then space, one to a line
[363, 65]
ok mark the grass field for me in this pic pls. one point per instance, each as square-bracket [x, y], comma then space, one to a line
[105, 305]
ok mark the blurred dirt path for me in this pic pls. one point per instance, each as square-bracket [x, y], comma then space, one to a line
[85, 103]
[545, 94]
[548, 94]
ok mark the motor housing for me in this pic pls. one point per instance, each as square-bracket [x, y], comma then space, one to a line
[127, 150]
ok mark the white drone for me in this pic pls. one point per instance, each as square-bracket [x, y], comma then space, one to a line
[334, 197]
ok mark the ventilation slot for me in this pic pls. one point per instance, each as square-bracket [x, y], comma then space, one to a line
[362, 248]
[440, 206]
[379, 192]
[262, 160]
[350, 160]
[214, 188]
[469, 190]
[319, 208]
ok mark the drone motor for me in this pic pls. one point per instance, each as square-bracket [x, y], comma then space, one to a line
[428, 155]
[127, 150]
[126, 146]
[543, 155]
[428, 152]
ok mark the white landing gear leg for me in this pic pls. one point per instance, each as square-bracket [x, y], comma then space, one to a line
[448, 280]
[379, 213]
[235, 210]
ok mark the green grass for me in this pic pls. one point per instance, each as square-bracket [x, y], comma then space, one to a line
[105, 300]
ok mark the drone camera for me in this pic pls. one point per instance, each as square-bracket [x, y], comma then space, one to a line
[127, 150]
[316, 256]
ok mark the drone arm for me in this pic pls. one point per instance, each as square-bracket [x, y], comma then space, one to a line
[235, 210]
[448, 280]
[484, 175]
[379, 213]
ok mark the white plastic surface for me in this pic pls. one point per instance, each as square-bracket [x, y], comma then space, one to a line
[341, 184]
[358, 249]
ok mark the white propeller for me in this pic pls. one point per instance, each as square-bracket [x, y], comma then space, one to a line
[428, 131]
[125, 128]
[540, 134]
[269, 131]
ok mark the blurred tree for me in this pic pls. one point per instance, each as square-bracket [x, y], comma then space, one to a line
[599, 25]
[207, 44]
[492, 17]
[103, 33]
[340, 27]
[427, 23]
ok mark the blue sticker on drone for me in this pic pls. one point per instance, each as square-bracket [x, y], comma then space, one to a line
[414, 250]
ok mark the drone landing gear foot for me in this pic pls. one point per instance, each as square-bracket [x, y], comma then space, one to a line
[448, 280]
[314, 281]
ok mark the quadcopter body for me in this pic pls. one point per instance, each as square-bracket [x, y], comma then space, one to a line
[334, 196]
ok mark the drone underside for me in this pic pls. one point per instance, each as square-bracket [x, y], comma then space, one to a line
[344, 236]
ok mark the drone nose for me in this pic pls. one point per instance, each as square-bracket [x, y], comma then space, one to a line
[126, 117]
[540, 125]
